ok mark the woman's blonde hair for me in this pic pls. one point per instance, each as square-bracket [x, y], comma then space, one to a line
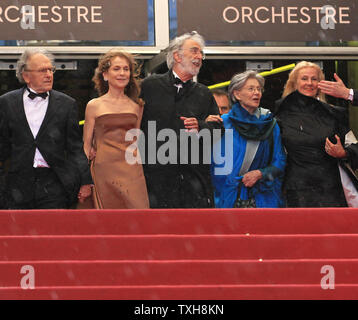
[132, 89]
[291, 84]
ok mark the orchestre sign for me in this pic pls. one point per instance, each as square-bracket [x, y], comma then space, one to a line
[257, 20]
[74, 20]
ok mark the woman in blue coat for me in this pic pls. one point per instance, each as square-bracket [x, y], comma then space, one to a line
[255, 149]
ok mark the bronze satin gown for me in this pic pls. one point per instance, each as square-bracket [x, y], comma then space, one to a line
[117, 184]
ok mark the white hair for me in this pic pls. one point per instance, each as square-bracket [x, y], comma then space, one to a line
[239, 80]
[176, 44]
[27, 54]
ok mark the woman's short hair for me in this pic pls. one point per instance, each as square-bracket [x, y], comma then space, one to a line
[291, 84]
[239, 80]
[26, 55]
[132, 89]
[176, 44]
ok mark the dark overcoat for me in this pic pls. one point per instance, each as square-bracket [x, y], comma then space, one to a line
[177, 184]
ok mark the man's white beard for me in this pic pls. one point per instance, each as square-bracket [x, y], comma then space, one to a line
[188, 67]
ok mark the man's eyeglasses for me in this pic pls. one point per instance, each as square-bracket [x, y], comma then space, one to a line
[195, 51]
[43, 71]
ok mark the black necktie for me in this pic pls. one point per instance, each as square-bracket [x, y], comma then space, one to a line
[33, 95]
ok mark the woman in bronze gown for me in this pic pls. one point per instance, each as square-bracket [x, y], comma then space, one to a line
[117, 183]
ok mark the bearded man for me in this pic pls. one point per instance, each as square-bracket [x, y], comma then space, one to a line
[180, 175]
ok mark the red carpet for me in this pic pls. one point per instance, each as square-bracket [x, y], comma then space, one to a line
[180, 254]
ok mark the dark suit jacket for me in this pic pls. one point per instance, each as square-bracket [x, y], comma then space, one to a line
[59, 141]
[164, 106]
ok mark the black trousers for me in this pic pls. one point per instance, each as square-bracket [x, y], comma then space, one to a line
[179, 189]
[48, 192]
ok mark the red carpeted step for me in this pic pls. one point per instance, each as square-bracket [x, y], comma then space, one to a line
[145, 273]
[175, 247]
[180, 254]
[179, 221]
[183, 293]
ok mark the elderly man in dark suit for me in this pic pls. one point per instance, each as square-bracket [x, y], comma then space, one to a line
[40, 136]
[175, 103]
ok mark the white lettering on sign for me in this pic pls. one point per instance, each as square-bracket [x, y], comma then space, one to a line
[327, 15]
[29, 16]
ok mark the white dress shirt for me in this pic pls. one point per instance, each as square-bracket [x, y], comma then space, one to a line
[35, 111]
[351, 95]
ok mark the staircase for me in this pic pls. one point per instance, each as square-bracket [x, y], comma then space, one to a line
[179, 254]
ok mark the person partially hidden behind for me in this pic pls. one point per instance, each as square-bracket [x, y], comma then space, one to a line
[339, 90]
[222, 100]
[41, 139]
[313, 134]
[117, 183]
[258, 157]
